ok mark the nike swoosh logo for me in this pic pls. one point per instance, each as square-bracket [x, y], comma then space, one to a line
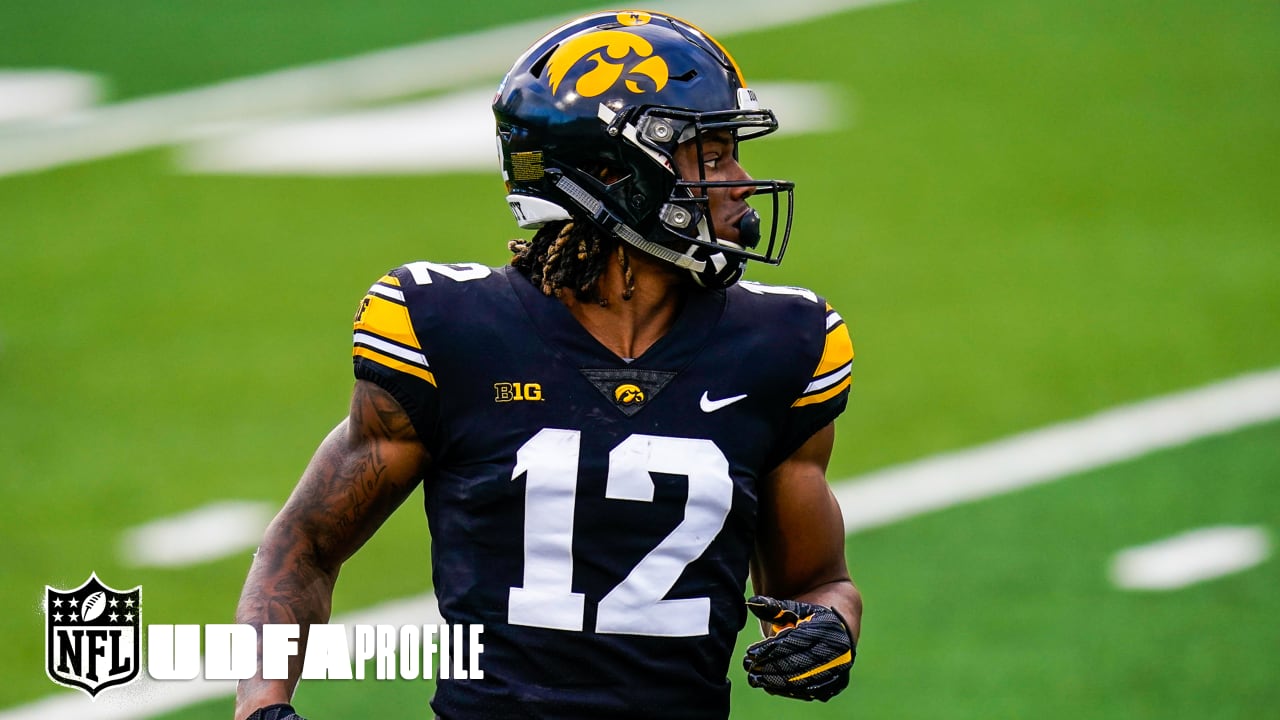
[709, 406]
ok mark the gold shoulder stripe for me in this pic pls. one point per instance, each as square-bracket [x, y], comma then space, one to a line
[833, 374]
[387, 319]
[825, 395]
[393, 363]
[837, 352]
[383, 331]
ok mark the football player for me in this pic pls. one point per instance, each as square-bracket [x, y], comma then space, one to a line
[612, 433]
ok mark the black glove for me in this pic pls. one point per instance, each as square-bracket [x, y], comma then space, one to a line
[809, 656]
[279, 711]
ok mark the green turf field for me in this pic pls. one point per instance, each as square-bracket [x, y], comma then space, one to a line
[1036, 209]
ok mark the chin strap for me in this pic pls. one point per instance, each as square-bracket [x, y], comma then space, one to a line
[713, 272]
[605, 218]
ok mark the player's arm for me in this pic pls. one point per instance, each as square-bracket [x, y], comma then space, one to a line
[800, 542]
[800, 577]
[358, 476]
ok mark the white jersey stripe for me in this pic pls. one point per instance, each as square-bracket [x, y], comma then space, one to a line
[827, 381]
[833, 317]
[388, 292]
[381, 345]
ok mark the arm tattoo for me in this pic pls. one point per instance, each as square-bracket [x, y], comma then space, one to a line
[361, 473]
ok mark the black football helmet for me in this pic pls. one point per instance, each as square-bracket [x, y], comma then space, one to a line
[588, 123]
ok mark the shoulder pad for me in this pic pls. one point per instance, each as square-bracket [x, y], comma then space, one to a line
[383, 331]
[833, 374]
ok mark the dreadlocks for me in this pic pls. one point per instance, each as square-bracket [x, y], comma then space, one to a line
[570, 256]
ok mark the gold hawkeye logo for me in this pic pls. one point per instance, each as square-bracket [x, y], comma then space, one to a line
[628, 394]
[616, 55]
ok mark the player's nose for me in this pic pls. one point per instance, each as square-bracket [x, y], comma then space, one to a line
[735, 172]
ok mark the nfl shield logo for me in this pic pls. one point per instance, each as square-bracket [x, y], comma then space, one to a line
[92, 635]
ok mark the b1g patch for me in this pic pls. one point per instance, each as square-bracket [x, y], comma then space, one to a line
[92, 635]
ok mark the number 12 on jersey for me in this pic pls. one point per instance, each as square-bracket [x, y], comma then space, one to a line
[549, 462]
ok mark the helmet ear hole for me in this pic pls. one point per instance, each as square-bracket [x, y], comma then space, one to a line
[541, 63]
[607, 174]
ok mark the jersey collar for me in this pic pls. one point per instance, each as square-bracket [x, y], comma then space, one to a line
[567, 338]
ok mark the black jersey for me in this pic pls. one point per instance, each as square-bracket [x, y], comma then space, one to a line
[596, 514]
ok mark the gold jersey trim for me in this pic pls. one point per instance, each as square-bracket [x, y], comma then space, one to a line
[393, 363]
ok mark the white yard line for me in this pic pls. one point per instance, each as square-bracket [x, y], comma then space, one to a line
[447, 63]
[29, 95]
[1189, 558]
[873, 500]
[206, 533]
[163, 119]
[1047, 454]
[452, 133]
